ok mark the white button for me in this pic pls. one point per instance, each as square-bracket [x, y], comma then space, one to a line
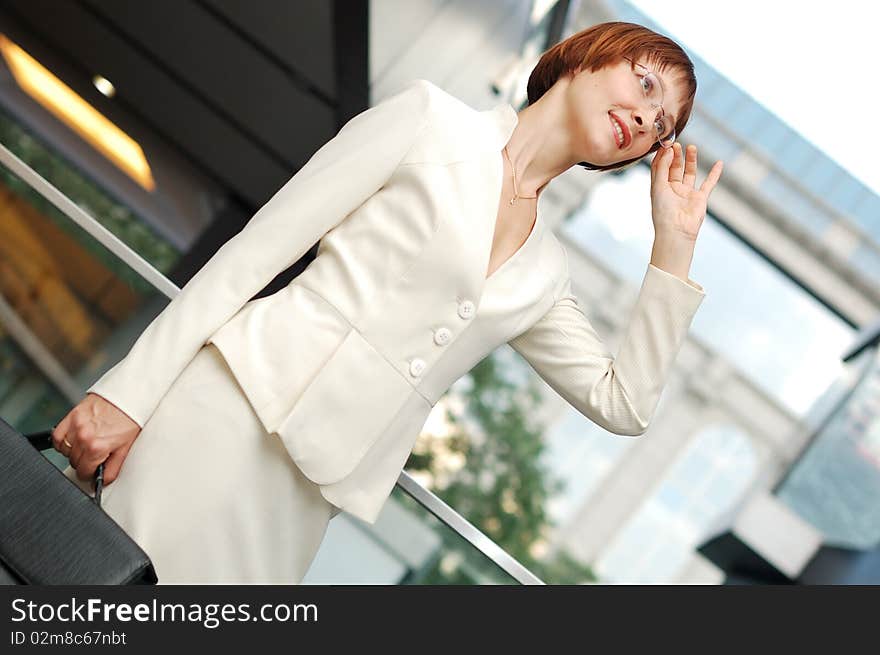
[442, 336]
[466, 309]
[416, 367]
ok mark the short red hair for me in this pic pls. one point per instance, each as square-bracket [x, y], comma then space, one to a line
[606, 44]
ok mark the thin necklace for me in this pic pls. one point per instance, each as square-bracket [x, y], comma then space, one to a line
[513, 170]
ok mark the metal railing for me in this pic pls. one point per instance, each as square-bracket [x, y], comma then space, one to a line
[87, 222]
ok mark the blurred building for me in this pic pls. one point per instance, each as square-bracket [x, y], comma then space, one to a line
[765, 441]
[789, 259]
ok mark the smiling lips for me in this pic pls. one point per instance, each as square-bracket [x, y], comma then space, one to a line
[621, 133]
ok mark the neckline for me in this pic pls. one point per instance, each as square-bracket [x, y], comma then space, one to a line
[495, 222]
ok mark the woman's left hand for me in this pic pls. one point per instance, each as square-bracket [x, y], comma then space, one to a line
[677, 206]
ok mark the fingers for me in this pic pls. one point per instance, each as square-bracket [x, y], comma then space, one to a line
[712, 178]
[114, 463]
[660, 165]
[71, 440]
[676, 169]
[75, 457]
[86, 463]
[59, 432]
[65, 441]
[689, 179]
[97, 432]
[66, 447]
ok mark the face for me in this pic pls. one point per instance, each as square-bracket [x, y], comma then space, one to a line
[599, 102]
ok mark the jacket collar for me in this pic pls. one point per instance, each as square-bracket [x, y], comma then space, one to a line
[469, 131]
[501, 120]
[485, 132]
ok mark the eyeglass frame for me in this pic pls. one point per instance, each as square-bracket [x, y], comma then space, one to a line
[671, 138]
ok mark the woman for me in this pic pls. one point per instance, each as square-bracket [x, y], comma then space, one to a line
[244, 426]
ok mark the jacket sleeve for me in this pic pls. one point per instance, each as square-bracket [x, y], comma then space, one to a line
[618, 393]
[338, 178]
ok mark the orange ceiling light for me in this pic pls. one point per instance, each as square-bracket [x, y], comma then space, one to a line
[53, 94]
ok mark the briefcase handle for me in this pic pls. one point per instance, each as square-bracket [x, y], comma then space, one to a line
[43, 441]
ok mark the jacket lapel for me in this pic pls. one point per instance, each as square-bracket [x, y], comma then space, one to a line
[495, 127]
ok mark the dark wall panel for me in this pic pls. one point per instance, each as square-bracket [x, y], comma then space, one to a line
[146, 90]
[299, 34]
[245, 90]
[224, 70]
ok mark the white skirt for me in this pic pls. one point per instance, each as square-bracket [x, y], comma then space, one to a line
[208, 494]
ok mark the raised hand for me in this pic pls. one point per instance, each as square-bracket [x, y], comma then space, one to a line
[677, 206]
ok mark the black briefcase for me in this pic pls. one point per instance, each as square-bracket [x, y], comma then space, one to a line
[53, 533]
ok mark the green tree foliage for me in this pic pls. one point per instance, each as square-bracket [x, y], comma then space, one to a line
[503, 487]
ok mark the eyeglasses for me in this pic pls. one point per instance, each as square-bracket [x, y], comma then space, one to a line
[664, 128]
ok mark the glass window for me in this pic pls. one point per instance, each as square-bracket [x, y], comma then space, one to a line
[819, 177]
[707, 81]
[581, 453]
[866, 260]
[709, 138]
[867, 215]
[777, 335]
[836, 483]
[746, 119]
[846, 194]
[78, 304]
[723, 100]
[770, 134]
[704, 483]
[795, 155]
[796, 204]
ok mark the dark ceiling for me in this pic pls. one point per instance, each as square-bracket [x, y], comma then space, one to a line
[245, 90]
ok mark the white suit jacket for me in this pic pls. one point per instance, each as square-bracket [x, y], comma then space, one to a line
[346, 362]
